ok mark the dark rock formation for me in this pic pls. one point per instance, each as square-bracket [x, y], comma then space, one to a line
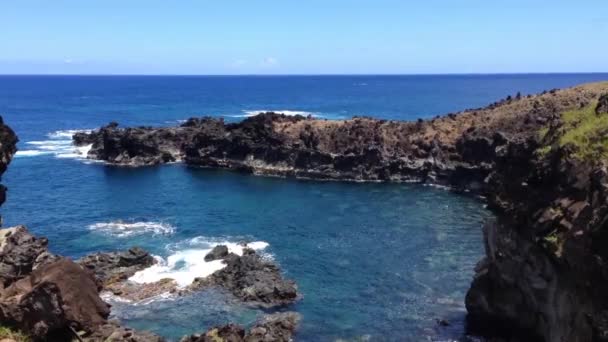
[112, 331]
[218, 252]
[279, 327]
[602, 105]
[20, 253]
[110, 268]
[8, 147]
[253, 280]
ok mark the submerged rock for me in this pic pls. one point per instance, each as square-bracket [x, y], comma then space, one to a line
[279, 327]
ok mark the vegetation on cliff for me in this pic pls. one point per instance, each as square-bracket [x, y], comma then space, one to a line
[13, 335]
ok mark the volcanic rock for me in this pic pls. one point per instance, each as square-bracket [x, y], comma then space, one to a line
[115, 267]
[279, 327]
[253, 280]
[218, 252]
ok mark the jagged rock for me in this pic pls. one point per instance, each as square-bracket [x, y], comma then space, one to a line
[112, 331]
[8, 147]
[228, 333]
[115, 267]
[138, 292]
[279, 327]
[602, 105]
[218, 252]
[19, 253]
[253, 280]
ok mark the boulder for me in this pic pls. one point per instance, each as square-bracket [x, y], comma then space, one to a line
[53, 300]
[20, 253]
[218, 252]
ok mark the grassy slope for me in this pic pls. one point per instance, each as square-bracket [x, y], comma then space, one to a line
[7, 333]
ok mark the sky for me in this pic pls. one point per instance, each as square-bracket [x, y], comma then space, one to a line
[225, 37]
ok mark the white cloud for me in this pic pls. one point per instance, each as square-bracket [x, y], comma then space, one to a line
[72, 61]
[270, 62]
[239, 63]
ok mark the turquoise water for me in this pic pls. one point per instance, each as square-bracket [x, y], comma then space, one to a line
[377, 261]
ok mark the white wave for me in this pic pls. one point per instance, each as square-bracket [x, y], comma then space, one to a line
[30, 153]
[185, 265]
[126, 229]
[173, 122]
[66, 134]
[59, 144]
[110, 297]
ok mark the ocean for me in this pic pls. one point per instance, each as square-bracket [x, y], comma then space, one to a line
[378, 262]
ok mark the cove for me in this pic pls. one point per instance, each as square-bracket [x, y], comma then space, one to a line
[373, 260]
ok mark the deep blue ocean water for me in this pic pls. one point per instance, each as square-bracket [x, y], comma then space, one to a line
[373, 261]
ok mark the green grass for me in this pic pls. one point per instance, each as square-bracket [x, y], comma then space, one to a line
[582, 129]
[13, 334]
[586, 132]
[554, 243]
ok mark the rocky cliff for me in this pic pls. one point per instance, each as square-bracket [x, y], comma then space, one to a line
[540, 161]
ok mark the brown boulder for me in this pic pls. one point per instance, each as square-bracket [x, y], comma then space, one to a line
[53, 300]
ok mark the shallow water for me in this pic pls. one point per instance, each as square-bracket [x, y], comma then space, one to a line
[373, 261]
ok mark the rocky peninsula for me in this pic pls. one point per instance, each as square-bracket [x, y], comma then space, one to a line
[539, 161]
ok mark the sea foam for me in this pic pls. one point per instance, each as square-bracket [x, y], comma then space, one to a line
[126, 229]
[185, 265]
[59, 145]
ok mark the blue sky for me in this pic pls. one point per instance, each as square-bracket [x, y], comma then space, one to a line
[302, 37]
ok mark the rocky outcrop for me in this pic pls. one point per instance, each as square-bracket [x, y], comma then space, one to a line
[279, 327]
[8, 147]
[114, 267]
[602, 105]
[249, 277]
[217, 253]
[53, 302]
[253, 280]
[20, 254]
[53, 298]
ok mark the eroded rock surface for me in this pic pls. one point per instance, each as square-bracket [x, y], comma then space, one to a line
[115, 267]
[279, 327]
[252, 279]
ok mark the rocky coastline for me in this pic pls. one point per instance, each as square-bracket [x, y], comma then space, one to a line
[540, 161]
[47, 297]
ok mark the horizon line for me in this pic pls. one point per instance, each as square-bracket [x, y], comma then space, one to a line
[320, 74]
